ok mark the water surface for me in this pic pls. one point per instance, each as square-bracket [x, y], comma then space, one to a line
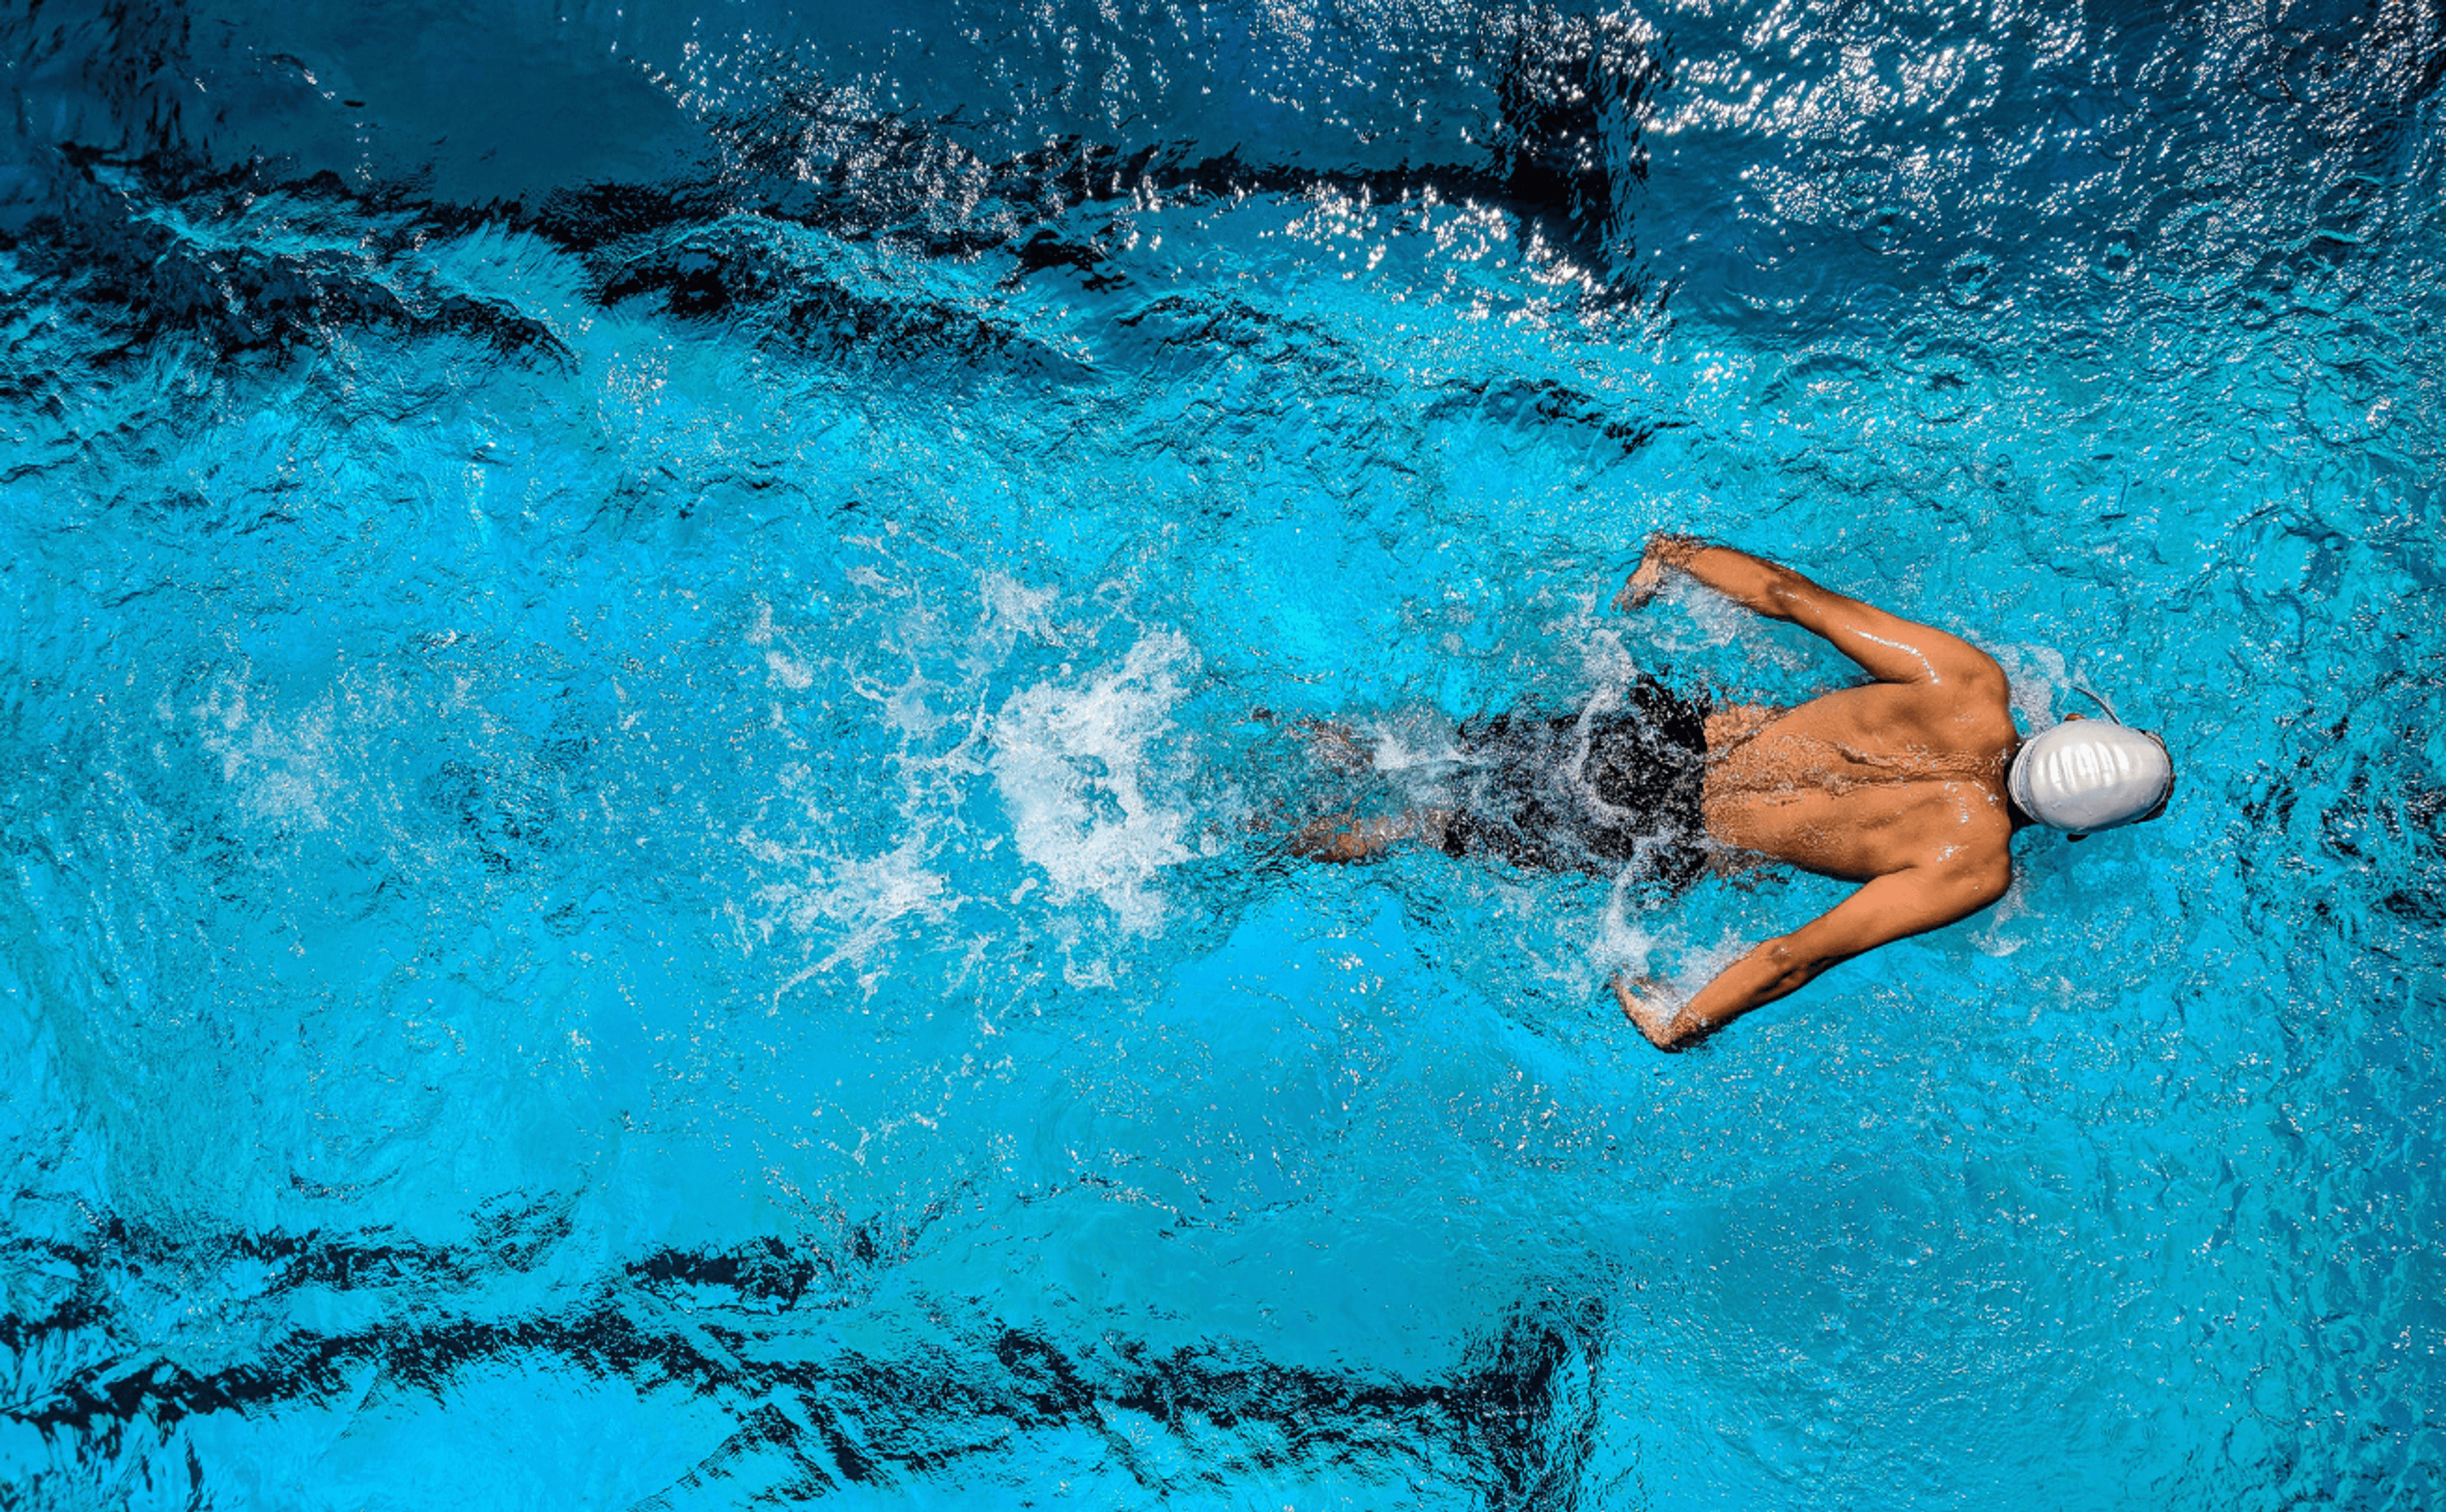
[651, 655]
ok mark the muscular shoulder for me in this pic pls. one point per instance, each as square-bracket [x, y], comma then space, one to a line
[1976, 674]
[1973, 877]
[1964, 851]
[1975, 700]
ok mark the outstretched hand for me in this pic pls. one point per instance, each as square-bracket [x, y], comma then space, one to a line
[1645, 1003]
[1663, 552]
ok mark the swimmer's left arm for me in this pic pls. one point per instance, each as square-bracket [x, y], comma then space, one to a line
[1887, 647]
[1890, 908]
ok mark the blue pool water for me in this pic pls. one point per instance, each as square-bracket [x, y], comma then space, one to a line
[636, 813]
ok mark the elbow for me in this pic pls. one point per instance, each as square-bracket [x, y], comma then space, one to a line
[1786, 591]
[1985, 679]
[1788, 970]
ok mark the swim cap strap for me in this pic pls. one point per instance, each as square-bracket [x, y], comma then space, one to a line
[2081, 686]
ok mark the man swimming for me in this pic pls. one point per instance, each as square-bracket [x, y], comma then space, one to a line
[1911, 785]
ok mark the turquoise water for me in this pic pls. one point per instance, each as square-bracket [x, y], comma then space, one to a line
[650, 667]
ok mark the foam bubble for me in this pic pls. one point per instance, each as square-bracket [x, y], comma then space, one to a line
[1994, 935]
[1071, 763]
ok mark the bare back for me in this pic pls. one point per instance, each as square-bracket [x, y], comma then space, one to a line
[1865, 782]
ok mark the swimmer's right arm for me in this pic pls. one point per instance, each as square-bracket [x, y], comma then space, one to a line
[1888, 908]
[1888, 647]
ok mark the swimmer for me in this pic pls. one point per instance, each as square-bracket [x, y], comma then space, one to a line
[1913, 785]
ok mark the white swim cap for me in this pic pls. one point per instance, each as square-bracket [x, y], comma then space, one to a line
[2089, 774]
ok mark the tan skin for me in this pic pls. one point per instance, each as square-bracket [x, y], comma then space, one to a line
[1898, 786]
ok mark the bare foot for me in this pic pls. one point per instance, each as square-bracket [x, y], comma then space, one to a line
[1339, 840]
[1335, 744]
[1350, 838]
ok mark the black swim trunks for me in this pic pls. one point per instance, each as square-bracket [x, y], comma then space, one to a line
[1597, 792]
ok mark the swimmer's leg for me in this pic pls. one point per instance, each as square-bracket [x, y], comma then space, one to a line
[1346, 837]
[1327, 746]
[1350, 838]
[1335, 744]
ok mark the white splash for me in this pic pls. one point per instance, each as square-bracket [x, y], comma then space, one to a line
[2035, 672]
[1702, 966]
[1607, 664]
[789, 667]
[854, 902]
[1411, 745]
[282, 764]
[1071, 762]
[1011, 609]
[1720, 618]
[1621, 945]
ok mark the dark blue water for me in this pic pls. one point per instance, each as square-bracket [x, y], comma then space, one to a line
[649, 680]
